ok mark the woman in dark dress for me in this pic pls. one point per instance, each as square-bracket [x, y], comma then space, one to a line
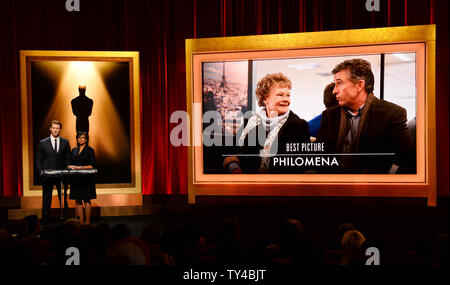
[82, 187]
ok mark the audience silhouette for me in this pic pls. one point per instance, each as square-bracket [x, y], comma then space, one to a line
[99, 244]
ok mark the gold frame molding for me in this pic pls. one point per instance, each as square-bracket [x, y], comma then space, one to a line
[26, 56]
[420, 39]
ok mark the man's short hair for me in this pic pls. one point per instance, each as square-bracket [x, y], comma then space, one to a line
[329, 99]
[56, 122]
[358, 69]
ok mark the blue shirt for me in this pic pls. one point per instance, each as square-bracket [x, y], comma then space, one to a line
[314, 125]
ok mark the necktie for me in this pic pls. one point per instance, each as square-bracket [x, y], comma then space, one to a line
[56, 145]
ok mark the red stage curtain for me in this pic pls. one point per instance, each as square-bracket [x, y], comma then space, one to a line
[158, 29]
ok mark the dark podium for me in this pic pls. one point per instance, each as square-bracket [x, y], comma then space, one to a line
[65, 172]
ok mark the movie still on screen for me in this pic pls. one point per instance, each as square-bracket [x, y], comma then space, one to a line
[229, 93]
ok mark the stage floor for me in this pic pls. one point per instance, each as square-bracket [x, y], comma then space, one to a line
[105, 205]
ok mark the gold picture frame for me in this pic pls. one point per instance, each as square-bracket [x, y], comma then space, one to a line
[418, 39]
[131, 58]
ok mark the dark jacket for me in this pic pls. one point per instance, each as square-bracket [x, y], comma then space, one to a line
[47, 158]
[294, 130]
[82, 186]
[382, 130]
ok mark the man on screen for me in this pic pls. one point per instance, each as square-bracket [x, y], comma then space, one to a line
[53, 153]
[371, 131]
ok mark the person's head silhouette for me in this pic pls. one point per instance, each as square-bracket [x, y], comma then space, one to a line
[82, 89]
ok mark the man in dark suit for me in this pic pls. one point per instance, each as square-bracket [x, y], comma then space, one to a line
[373, 131]
[53, 153]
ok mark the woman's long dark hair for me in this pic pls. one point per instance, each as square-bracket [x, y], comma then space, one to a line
[79, 134]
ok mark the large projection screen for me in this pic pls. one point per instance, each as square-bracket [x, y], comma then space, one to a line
[222, 74]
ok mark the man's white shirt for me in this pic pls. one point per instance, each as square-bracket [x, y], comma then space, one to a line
[55, 140]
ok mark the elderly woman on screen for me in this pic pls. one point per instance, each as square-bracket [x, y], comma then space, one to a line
[278, 125]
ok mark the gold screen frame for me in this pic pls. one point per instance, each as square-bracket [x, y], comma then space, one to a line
[132, 57]
[419, 39]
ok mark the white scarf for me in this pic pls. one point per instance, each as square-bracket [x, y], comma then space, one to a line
[272, 124]
[269, 123]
